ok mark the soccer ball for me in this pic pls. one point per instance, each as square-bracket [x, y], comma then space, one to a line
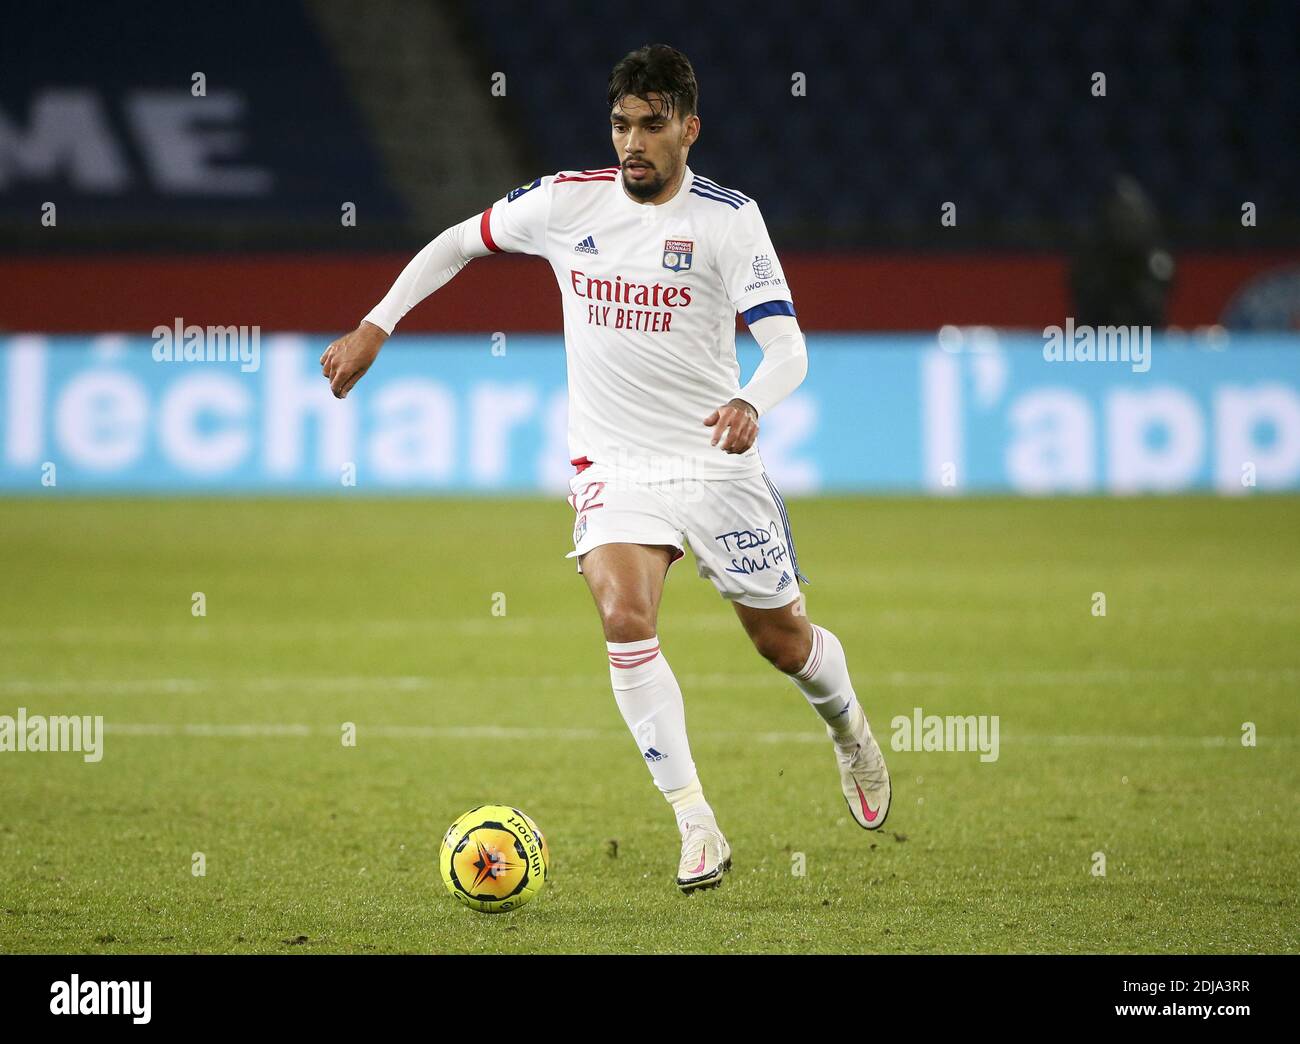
[494, 858]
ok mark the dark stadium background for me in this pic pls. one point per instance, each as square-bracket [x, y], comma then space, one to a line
[389, 106]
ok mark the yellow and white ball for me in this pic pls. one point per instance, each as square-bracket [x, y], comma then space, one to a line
[494, 858]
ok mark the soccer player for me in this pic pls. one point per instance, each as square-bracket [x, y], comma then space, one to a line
[653, 262]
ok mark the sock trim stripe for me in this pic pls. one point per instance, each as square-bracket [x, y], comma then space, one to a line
[633, 663]
[634, 659]
[815, 657]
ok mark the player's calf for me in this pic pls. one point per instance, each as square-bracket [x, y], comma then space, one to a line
[824, 681]
[781, 636]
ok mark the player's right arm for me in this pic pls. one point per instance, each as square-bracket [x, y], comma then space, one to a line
[764, 301]
[515, 223]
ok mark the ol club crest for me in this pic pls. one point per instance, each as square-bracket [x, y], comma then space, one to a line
[677, 254]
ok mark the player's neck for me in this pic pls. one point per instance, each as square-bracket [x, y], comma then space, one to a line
[668, 193]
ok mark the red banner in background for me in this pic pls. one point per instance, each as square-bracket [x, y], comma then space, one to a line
[324, 294]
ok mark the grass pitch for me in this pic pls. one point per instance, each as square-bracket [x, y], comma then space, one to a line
[1119, 735]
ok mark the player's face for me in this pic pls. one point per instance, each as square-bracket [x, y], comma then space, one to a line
[651, 148]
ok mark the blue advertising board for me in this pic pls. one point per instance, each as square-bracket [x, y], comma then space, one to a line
[965, 411]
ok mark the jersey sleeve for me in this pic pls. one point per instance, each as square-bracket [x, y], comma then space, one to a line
[751, 270]
[516, 223]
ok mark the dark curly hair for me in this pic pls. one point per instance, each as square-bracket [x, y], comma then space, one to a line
[657, 69]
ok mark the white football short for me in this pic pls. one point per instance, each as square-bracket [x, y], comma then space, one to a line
[738, 529]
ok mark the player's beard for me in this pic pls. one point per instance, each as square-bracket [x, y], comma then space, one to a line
[647, 187]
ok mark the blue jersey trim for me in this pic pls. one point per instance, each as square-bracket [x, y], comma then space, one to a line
[705, 183]
[767, 308]
[785, 524]
[720, 199]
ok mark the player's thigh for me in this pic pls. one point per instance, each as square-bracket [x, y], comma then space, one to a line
[624, 539]
[626, 581]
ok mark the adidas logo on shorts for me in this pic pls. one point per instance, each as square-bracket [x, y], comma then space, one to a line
[785, 580]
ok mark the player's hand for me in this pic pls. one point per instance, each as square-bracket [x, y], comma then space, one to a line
[346, 360]
[739, 420]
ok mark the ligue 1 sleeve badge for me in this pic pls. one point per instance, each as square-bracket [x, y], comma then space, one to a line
[677, 254]
[528, 186]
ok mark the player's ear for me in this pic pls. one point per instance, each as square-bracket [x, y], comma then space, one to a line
[692, 131]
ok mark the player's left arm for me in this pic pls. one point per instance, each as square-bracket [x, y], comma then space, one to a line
[784, 366]
[756, 284]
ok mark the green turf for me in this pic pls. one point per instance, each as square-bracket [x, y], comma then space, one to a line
[1120, 734]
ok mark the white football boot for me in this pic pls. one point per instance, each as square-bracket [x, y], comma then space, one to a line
[706, 856]
[863, 776]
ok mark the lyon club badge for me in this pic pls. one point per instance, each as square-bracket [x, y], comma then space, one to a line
[677, 254]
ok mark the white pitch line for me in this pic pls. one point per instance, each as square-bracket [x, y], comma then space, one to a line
[217, 630]
[713, 680]
[383, 731]
[192, 729]
[502, 732]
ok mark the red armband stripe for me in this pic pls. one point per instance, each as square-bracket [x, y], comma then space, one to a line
[485, 229]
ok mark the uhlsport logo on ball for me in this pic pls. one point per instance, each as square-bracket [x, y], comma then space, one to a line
[494, 858]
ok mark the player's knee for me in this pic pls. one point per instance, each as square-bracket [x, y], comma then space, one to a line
[628, 623]
[782, 650]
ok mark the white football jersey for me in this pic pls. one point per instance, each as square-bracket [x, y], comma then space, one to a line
[650, 296]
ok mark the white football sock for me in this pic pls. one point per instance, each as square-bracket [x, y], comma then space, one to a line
[650, 700]
[689, 805]
[824, 681]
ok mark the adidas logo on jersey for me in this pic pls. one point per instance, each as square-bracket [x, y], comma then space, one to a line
[587, 246]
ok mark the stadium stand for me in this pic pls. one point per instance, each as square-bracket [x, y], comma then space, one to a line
[847, 123]
[991, 107]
